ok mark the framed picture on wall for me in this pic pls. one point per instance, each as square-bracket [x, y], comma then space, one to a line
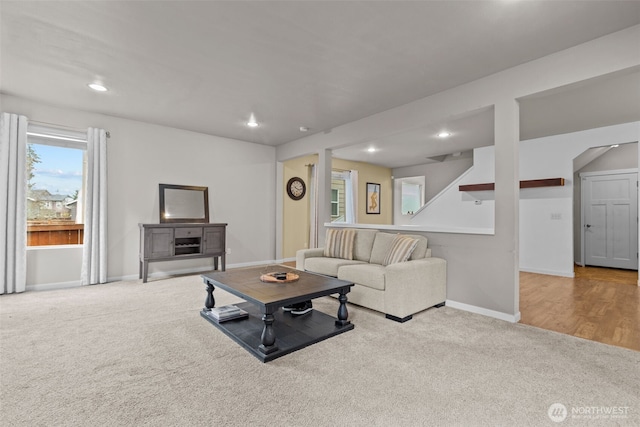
[373, 198]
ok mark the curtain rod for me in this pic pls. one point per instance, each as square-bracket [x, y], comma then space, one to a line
[36, 122]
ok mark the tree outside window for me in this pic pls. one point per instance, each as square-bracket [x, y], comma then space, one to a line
[54, 183]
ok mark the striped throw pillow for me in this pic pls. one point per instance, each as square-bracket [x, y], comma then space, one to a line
[339, 243]
[401, 249]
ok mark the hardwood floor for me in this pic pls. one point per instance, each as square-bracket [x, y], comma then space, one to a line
[599, 304]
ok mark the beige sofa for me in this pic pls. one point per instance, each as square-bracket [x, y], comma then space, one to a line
[399, 289]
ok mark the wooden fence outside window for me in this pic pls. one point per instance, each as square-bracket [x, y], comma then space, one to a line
[58, 233]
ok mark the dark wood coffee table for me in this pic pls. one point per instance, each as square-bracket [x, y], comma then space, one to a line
[269, 332]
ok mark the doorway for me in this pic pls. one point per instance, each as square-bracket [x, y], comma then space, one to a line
[610, 219]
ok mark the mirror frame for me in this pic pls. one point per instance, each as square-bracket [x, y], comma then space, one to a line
[205, 193]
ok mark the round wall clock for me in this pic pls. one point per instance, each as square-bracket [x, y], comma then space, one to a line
[296, 188]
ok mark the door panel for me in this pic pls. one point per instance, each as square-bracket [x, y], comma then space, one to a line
[610, 206]
[598, 231]
[214, 240]
[621, 242]
[160, 243]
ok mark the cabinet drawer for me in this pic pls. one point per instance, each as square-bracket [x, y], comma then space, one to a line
[188, 232]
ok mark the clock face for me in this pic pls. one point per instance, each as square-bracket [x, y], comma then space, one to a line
[296, 188]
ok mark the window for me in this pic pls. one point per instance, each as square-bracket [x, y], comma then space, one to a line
[343, 195]
[337, 197]
[55, 179]
[412, 190]
[335, 202]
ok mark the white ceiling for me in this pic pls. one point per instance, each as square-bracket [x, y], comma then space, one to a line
[605, 101]
[206, 66]
[421, 146]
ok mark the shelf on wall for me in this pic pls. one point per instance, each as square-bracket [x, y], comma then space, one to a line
[530, 183]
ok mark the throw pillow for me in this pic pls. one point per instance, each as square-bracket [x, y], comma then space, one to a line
[381, 247]
[339, 243]
[401, 249]
[421, 248]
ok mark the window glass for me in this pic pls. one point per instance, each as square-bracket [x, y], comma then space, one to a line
[337, 200]
[411, 198]
[54, 194]
[335, 203]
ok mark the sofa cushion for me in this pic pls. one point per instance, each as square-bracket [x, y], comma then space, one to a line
[363, 244]
[327, 266]
[401, 250]
[369, 275]
[339, 243]
[381, 247]
[420, 251]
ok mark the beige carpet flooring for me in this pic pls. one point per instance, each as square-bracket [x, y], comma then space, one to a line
[134, 354]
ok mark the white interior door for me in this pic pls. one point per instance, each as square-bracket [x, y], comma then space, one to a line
[610, 220]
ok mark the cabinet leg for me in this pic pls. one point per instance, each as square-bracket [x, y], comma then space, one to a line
[145, 271]
[215, 262]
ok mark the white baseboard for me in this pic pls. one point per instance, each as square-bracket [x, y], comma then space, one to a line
[252, 264]
[571, 274]
[52, 286]
[170, 273]
[484, 311]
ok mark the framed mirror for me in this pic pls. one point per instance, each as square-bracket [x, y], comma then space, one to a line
[184, 203]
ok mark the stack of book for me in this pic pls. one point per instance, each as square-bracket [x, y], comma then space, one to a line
[227, 312]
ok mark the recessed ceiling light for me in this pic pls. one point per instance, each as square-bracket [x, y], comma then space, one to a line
[252, 123]
[97, 87]
[371, 150]
[615, 146]
[304, 129]
[444, 134]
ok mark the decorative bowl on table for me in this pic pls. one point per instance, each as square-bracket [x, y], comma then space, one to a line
[279, 277]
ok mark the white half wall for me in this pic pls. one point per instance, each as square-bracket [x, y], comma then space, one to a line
[52, 267]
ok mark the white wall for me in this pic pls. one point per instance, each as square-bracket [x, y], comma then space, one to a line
[240, 176]
[546, 214]
[50, 267]
[437, 177]
[623, 157]
[483, 270]
[470, 212]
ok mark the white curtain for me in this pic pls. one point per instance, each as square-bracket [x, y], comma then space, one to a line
[94, 253]
[313, 206]
[351, 196]
[13, 201]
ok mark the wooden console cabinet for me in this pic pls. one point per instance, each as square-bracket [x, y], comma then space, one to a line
[170, 242]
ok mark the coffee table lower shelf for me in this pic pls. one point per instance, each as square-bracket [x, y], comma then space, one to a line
[292, 332]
